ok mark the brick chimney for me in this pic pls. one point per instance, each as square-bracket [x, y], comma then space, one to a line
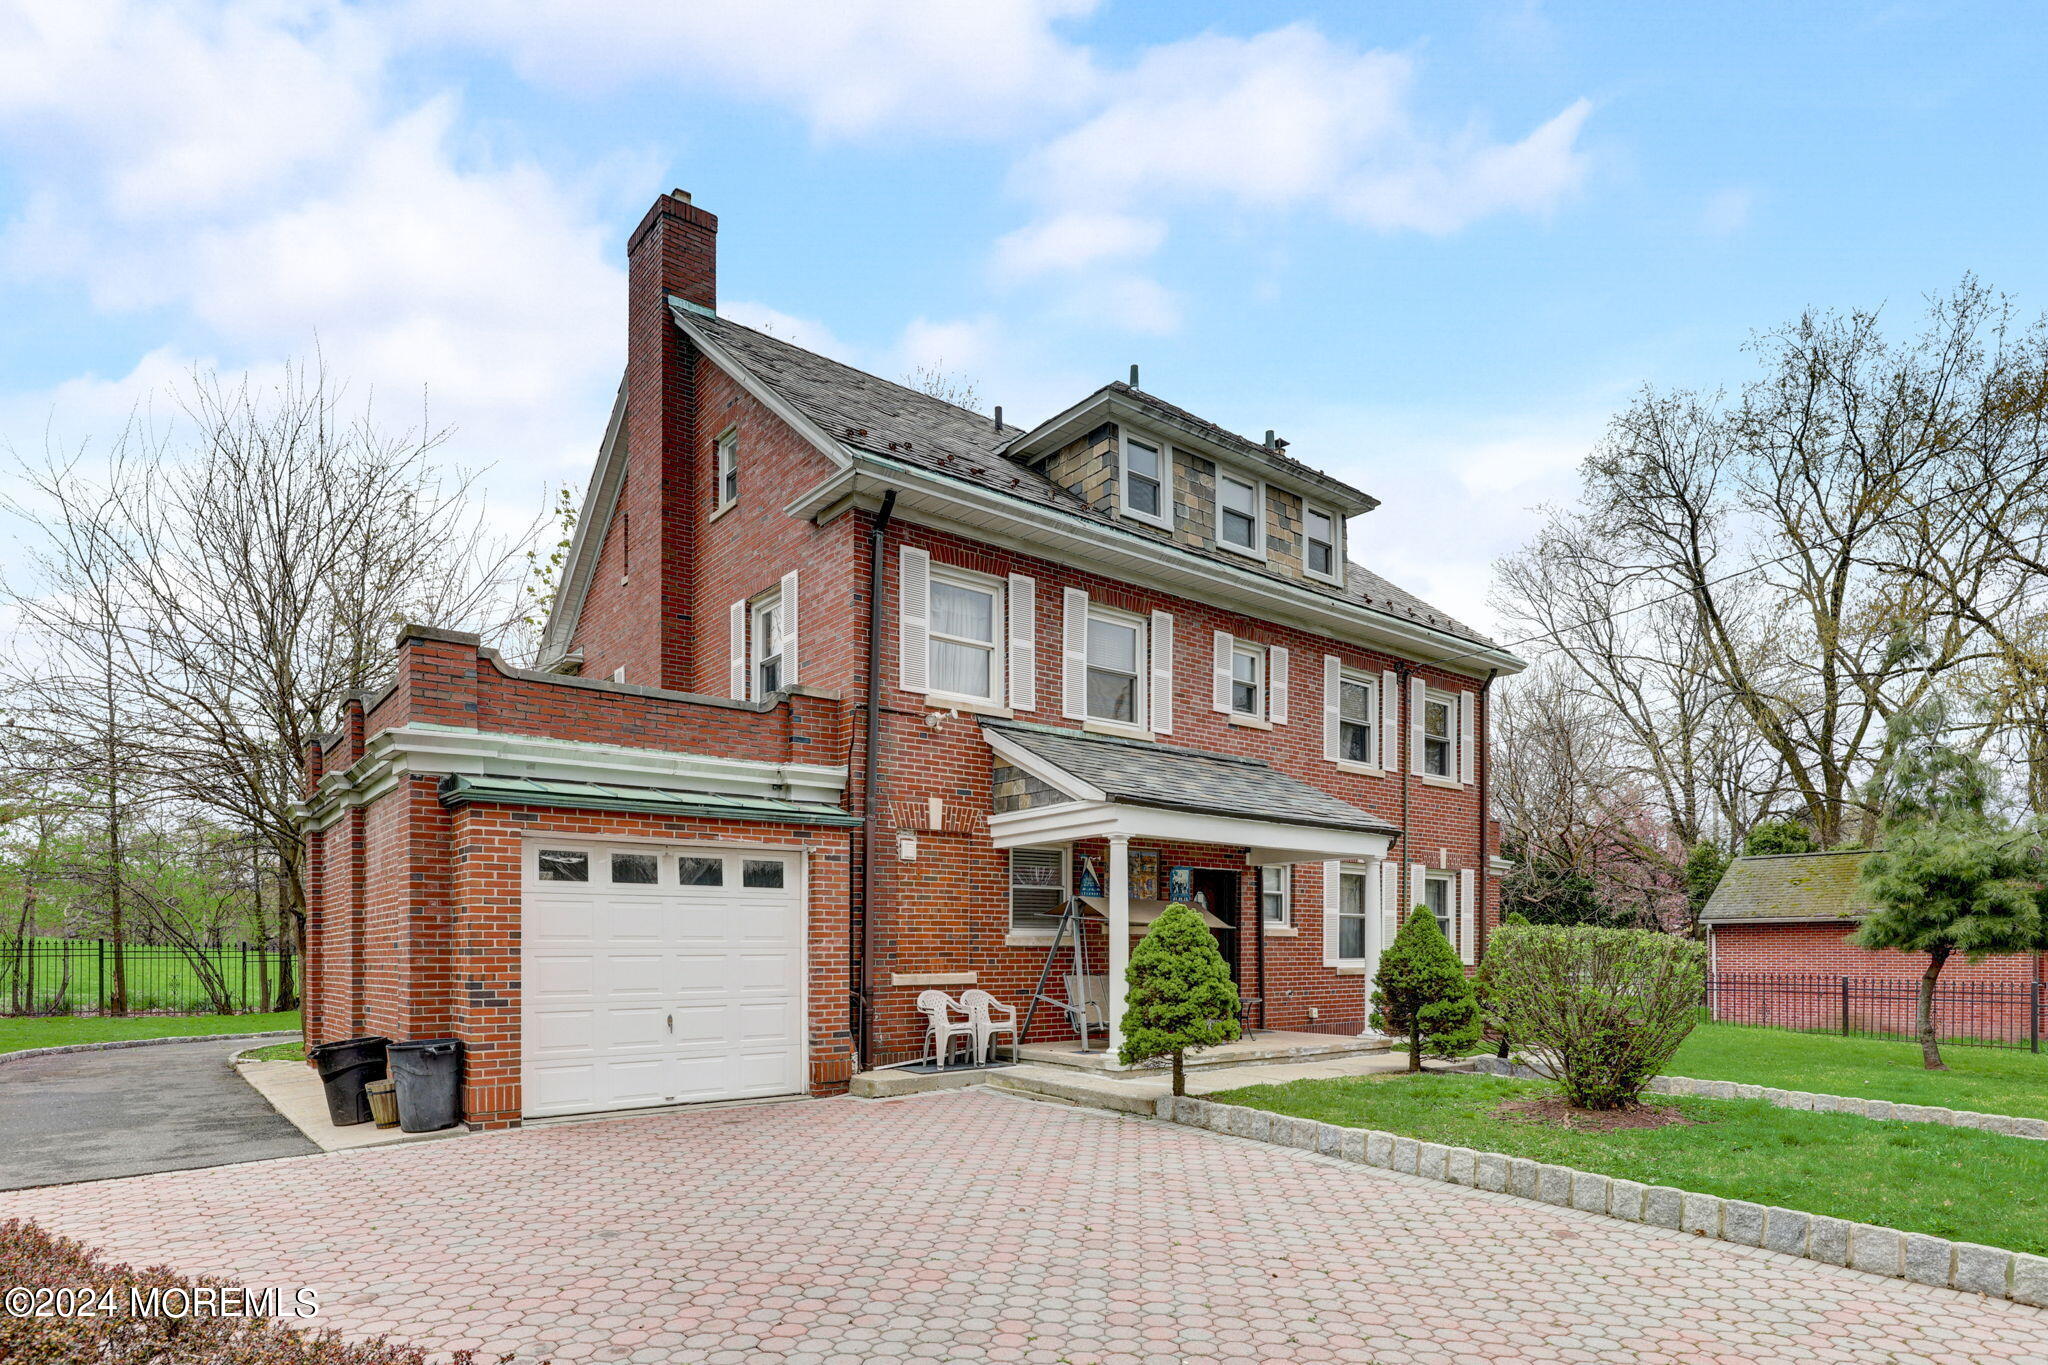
[674, 251]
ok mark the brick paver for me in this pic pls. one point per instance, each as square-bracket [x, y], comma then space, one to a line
[971, 1227]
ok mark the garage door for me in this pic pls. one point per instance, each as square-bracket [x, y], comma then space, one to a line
[659, 976]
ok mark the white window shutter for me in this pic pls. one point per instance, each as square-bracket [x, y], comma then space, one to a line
[1390, 901]
[1468, 917]
[1333, 898]
[1417, 694]
[1390, 721]
[1276, 685]
[914, 608]
[736, 669]
[1074, 655]
[789, 628]
[1162, 672]
[1333, 700]
[1468, 737]
[1225, 647]
[1023, 660]
[1418, 880]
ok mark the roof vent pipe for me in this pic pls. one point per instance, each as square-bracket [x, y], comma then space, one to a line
[999, 417]
[1134, 376]
[1269, 438]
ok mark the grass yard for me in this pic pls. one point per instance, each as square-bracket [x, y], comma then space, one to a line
[1988, 1079]
[17, 1034]
[1952, 1182]
[278, 1052]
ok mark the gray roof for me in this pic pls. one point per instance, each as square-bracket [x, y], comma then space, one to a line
[868, 413]
[1789, 886]
[1142, 773]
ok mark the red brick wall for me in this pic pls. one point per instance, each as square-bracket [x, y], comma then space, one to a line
[1825, 949]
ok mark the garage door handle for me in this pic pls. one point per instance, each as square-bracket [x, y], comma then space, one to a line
[671, 1023]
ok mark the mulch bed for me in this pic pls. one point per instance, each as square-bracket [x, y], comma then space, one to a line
[1555, 1111]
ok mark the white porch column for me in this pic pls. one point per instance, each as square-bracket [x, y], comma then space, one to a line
[1119, 898]
[1375, 931]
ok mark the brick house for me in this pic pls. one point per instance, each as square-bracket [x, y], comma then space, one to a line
[1123, 654]
[1778, 937]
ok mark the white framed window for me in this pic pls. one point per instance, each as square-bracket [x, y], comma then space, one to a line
[767, 667]
[1358, 710]
[1116, 667]
[1276, 898]
[965, 623]
[1440, 894]
[1439, 734]
[1038, 889]
[1351, 916]
[727, 489]
[1248, 681]
[1240, 514]
[1321, 555]
[1147, 493]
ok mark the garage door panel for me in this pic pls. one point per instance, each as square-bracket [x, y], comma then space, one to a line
[642, 994]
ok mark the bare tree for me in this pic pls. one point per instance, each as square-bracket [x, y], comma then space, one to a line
[945, 385]
[246, 566]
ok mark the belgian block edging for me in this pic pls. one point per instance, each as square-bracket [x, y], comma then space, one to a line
[2006, 1124]
[1989, 1271]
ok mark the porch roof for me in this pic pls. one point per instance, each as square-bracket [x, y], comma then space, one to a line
[1137, 787]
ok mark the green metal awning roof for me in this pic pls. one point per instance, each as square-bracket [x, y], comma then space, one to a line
[462, 789]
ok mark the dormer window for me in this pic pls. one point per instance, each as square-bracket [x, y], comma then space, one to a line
[1238, 523]
[1319, 554]
[1144, 482]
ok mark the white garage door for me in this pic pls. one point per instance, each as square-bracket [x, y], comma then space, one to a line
[660, 976]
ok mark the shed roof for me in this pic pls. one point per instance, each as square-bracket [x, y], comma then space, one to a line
[1790, 886]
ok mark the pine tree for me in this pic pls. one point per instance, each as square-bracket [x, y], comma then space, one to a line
[1953, 877]
[1770, 837]
[1422, 992]
[1181, 995]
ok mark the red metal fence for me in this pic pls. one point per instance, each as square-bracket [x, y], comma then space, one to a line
[2003, 1014]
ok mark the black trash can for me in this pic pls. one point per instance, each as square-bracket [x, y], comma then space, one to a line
[428, 1075]
[345, 1068]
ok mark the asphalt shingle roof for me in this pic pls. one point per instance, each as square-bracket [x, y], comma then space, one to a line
[863, 411]
[1140, 772]
[1788, 886]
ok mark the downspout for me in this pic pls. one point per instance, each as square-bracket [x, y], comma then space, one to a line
[1484, 760]
[863, 987]
[1403, 709]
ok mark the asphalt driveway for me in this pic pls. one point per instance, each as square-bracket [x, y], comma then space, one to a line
[971, 1227]
[130, 1111]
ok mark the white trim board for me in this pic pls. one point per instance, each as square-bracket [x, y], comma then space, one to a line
[438, 750]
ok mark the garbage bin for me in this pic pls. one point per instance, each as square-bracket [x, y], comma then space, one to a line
[428, 1074]
[345, 1068]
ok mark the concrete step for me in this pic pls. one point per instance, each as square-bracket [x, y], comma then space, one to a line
[1065, 1085]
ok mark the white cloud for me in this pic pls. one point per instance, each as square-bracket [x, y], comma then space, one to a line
[1283, 121]
[1076, 239]
[249, 171]
[1727, 211]
[849, 67]
[808, 333]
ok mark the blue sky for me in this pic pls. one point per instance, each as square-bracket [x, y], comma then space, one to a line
[1434, 245]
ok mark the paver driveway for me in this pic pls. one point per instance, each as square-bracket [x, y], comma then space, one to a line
[969, 1226]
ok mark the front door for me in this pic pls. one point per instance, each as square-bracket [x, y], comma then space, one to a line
[1216, 892]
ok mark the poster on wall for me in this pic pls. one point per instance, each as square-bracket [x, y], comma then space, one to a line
[1183, 885]
[1145, 876]
[1091, 878]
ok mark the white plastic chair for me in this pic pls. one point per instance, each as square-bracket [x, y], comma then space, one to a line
[981, 1008]
[940, 1026]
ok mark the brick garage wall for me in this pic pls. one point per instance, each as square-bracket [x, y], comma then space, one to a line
[1791, 975]
[487, 845]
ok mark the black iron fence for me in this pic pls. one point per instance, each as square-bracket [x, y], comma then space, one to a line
[90, 976]
[1980, 1014]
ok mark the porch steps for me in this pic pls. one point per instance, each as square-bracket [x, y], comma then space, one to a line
[1267, 1047]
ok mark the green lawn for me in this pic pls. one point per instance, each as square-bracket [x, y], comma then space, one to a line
[19, 1033]
[1988, 1079]
[1952, 1182]
[278, 1052]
